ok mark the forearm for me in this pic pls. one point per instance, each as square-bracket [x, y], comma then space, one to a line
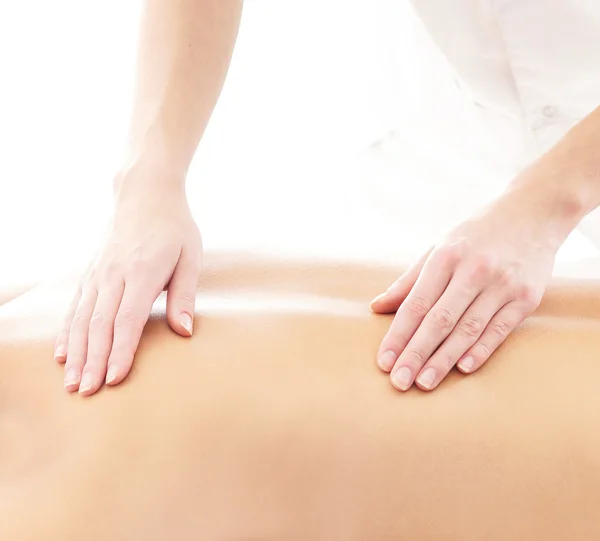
[184, 53]
[566, 180]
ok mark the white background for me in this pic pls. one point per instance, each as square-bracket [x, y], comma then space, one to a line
[341, 132]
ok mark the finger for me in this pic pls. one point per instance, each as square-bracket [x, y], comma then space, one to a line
[60, 347]
[100, 337]
[496, 331]
[181, 294]
[130, 320]
[466, 332]
[436, 327]
[389, 301]
[78, 339]
[428, 288]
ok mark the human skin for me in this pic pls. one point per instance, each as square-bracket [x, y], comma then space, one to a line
[274, 424]
[456, 305]
[466, 295]
[152, 242]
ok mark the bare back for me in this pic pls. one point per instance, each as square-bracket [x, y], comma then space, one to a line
[274, 423]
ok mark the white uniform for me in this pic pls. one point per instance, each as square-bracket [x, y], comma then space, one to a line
[532, 67]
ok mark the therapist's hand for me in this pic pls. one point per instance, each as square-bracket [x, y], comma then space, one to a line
[153, 244]
[466, 295]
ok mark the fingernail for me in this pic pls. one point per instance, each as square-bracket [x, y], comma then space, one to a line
[387, 359]
[186, 323]
[86, 382]
[71, 377]
[467, 364]
[379, 297]
[402, 378]
[61, 351]
[111, 375]
[426, 378]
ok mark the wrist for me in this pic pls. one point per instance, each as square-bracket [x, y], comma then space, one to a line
[150, 176]
[555, 193]
[567, 178]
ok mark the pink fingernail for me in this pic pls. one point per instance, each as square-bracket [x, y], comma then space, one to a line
[467, 364]
[87, 382]
[60, 352]
[379, 297]
[386, 360]
[402, 378]
[111, 375]
[71, 377]
[186, 323]
[426, 378]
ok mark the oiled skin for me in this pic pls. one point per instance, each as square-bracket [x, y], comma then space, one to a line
[274, 423]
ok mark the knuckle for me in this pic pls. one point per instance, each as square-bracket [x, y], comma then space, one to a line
[448, 254]
[416, 357]
[500, 328]
[78, 322]
[127, 317]
[471, 326]
[111, 271]
[485, 351]
[508, 279]
[98, 321]
[134, 270]
[138, 265]
[443, 318]
[186, 297]
[529, 295]
[418, 306]
[483, 268]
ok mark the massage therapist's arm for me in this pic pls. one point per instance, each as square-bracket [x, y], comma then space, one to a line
[464, 297]
[152, 242]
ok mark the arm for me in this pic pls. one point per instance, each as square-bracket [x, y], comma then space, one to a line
[458, 304]
[184, 53]
[153, 243]
[567, 178]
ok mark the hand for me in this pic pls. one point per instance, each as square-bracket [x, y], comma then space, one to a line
[152, 244]
[466, 295]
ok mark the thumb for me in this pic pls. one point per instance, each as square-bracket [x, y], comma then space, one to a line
[390, 300]
[181, 294]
